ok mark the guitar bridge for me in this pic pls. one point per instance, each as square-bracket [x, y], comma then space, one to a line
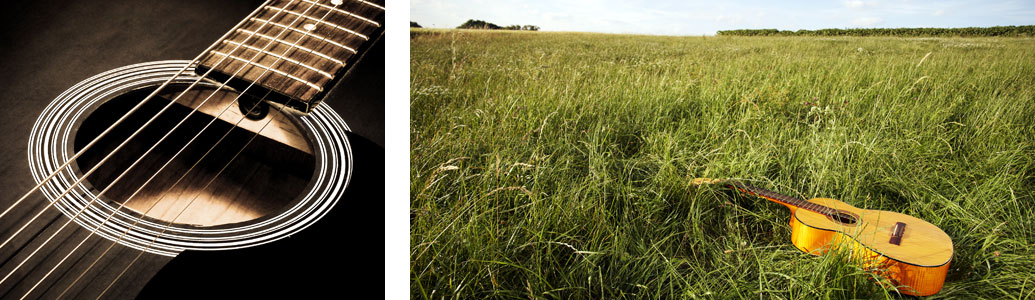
[896, 233]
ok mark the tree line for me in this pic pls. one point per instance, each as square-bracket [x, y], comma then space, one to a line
[479, 24]
[1009, 31]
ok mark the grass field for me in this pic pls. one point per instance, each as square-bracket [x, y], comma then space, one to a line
[557, 165]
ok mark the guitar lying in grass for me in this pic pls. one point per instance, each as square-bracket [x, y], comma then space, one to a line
[911, 253]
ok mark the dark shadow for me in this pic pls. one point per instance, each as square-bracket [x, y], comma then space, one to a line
[319, 260]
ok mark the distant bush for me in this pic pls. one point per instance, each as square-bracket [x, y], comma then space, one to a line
[1028, 30]
[415, 25]
[479, 24]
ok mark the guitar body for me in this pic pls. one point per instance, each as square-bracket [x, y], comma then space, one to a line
[917, 264]
[53, 45]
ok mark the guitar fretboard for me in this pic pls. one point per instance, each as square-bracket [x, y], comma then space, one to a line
[781, 198]
[297, 48]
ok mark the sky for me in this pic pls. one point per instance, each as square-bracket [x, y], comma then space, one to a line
[695, 17]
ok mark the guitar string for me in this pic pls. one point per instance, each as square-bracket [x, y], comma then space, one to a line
[120, 120]
[117, 148]
[765, 193]
[169, 223]
[120, 207]
[154, 204]
[153, 176]
[110, 154]
[43, 210]
[93, 231]
[777, 197]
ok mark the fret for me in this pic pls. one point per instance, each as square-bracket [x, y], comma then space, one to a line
[338, 10]
[278, 56]
[319, 21]
[791, 202]
[298, 27]
[372, 4]
[302, 45]
[781, 198]
[306, 32]
[317, 53]
[282, 73]
[811, 206]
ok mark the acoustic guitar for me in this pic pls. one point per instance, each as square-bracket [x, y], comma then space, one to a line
[218, 175]
[911, 253]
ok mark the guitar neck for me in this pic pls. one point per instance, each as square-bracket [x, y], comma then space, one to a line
[780, 198]
[296, 49]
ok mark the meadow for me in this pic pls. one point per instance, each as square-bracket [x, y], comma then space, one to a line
[557, 165]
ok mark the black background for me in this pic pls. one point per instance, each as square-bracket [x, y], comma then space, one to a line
[48, 46]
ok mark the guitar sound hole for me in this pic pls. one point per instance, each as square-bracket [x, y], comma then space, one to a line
[843, 218]
[226, 185]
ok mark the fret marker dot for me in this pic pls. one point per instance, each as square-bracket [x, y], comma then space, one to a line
[309, 26]
[336, 2]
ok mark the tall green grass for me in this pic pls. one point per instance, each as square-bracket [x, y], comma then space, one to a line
[557, 165]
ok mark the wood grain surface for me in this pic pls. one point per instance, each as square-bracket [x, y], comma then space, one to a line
[923, 243]
[916, 267]
[47, 46]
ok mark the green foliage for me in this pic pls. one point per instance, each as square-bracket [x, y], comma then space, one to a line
[1010, 31]
[479, 24]
[556, 165]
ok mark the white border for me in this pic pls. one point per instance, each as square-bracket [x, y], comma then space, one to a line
[397, 150]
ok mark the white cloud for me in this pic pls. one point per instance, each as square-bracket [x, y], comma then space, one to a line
[859, 3]
[730, 19]
[867, 21]
[938, 12]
